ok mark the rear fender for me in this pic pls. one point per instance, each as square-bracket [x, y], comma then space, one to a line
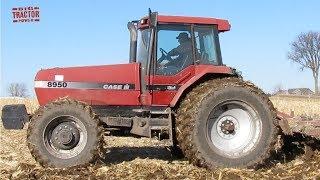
[202, 71]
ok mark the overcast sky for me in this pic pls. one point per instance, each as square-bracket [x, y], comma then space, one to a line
[75, 33]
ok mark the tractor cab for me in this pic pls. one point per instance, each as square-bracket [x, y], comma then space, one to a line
[170, 49]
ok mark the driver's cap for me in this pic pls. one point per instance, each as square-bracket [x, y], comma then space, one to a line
[183, 35]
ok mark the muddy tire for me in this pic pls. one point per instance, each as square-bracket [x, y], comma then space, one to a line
[64, 133]
[226, 123]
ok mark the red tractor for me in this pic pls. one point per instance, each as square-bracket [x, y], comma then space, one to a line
[175, 85]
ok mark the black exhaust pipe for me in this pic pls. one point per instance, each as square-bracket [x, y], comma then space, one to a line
[133, 42]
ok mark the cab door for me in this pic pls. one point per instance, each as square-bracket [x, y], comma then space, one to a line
[173, 64]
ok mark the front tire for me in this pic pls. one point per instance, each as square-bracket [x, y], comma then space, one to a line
[226, 123]
[64, 133]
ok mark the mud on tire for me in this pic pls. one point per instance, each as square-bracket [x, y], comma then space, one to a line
[64, 133]
[226, 123]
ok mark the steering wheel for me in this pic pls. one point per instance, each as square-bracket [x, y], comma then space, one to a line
[168, 68]
[165, 54]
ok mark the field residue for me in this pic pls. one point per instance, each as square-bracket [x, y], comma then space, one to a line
[143, 158]
[299, 105]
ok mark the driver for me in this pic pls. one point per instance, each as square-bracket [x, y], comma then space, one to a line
[183, 51]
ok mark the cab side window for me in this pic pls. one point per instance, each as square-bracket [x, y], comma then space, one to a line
[205, 45]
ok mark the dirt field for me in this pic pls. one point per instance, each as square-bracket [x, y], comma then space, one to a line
[143, 158]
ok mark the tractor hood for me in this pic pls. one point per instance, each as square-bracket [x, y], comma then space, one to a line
[88, 83]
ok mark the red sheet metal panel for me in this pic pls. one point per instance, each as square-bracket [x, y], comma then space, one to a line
[98, 85]
[223, 25]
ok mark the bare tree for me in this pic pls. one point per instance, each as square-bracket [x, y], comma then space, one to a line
[305, 50]
[18, 90]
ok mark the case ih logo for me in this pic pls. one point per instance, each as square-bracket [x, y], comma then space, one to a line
[26, 14]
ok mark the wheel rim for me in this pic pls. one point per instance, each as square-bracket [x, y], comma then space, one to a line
[234, 129]
[65, 137]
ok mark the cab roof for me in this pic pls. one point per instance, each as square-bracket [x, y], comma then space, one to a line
[223, 25]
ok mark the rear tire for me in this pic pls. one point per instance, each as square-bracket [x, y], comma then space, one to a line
[226, 123]
[64, 133]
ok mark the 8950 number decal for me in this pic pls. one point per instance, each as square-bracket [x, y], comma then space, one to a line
[57, 84]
